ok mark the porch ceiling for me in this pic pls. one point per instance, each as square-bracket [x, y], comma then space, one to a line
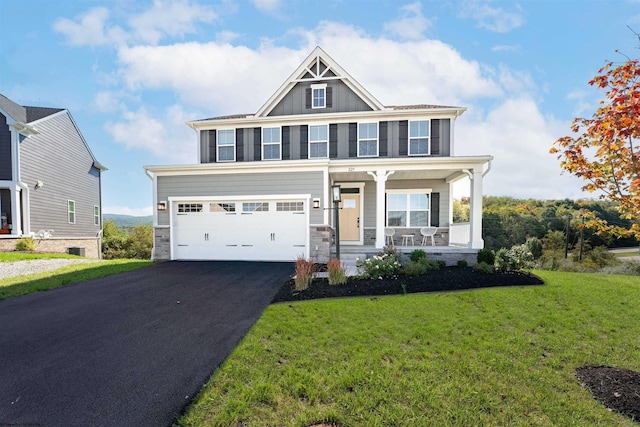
[398, 175]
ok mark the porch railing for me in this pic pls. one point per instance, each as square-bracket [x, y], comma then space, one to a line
[460, 234]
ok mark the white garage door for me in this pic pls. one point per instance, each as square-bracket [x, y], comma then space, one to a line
[256, 230]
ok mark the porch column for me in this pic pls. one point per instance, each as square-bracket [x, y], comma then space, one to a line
[475, 214]
[380, 177]
[16, 214]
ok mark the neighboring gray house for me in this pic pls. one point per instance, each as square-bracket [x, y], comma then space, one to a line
[50, 182]
[262, 188]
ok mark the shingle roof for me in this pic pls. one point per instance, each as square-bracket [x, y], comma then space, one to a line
[36, 113]
[24, 114]
[229, 117]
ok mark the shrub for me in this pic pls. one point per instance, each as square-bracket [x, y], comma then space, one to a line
[515, 259]
[385, 264]
[462, 263]
[414, 268]
[337, 272]
[534, 245]
[441, 263]
[430, 264]
[487, 256]
[305, 270]
[417, 255]
[629, 268]
[25, 244]
[483, 267]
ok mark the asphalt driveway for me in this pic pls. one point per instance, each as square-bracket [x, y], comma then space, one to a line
[126, 350]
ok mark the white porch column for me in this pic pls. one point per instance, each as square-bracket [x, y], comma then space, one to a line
[475, 214]
[380, 177]
[16, 214]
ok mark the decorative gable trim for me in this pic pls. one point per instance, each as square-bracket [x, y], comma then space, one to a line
[319, 66]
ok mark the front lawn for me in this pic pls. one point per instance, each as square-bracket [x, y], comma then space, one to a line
[26, 256]
[21, 285]
[495, 356]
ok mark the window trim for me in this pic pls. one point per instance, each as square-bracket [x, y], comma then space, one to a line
[428, 138]
[279, 143]
[326, 141]
[369, 139]
[225, 145]
[96, 215]
[408, 193]
[71, 211]
[323, 88]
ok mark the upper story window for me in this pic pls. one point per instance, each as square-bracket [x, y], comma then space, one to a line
[71, 211]
[226, 145]
[419, 138]
[319, 96]
[318, 141]
[367, 139]
[271, 143]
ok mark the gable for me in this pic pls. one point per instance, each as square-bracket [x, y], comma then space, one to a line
[319, 68]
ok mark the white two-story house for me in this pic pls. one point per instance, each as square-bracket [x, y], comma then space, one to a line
[262, 187]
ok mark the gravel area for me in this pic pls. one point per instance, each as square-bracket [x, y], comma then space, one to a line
[19, 268]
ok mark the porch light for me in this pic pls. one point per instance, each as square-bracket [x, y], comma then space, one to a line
[316, 203]
[335, 193]
[162, 206]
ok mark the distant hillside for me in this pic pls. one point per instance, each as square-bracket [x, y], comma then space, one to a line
[126, 221]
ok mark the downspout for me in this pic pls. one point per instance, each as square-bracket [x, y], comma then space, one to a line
[155, 212]
[26, 205]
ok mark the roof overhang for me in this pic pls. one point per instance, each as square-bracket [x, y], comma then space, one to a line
[24, 128]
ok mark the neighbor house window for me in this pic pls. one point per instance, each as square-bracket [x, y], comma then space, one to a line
[368, 140]
[71, 211]
[319, 96]
[318, 141]
[419, 138]
[271, 143]
[410, 209]
[226, 145]
[96, 215]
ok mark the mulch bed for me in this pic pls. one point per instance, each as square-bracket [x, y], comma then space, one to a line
[617, 389]
[444, 279]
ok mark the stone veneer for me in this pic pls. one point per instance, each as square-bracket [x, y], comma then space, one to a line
[320, 243]
[161, 244]
[57, 245]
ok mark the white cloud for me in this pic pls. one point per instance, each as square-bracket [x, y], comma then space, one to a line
[490, 18]
[108, 101]
[90, 30]
[411, 24]
[268, 6]
[125, 210]
[166, 137]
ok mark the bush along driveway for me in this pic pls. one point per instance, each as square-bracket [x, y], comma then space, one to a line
[130, 349]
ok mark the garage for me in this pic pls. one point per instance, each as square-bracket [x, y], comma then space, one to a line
[248, 229]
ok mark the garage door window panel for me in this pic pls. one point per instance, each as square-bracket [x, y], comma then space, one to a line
[189, 207]
[222, 207]
[250, 207]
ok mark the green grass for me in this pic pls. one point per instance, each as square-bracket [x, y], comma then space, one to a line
[626, 254]
[25, 256]
[21, 285]
[501, 356]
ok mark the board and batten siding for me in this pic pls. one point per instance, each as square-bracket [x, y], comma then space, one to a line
[242, 184]
[5, 150]
[343, 99]
[59, 158]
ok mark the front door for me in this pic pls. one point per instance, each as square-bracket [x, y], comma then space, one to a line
[350, 218]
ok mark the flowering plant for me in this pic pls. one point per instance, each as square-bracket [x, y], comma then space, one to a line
[379, 266]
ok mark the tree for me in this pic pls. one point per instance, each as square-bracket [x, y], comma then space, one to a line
[604, 150]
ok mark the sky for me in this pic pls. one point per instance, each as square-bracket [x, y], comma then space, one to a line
[132, 72]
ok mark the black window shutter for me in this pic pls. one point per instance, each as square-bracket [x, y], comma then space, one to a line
[435, 209]
[435, 137]
[382, 139]
[304, 142]
[333, 141]
[329, 97]
[286, 142]
[308, 98]
[212, 146]
[353, 140]
[257, 144]
[239, 146]
[404, 138]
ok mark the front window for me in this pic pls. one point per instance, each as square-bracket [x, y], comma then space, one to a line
[71, 211]
[318, 141]
[96, 215]
[409, 209]
[318, 96]
[368, 140]
[419, 138]
[226, 145]
[271, 143]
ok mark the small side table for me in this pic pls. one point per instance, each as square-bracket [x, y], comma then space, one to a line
[406, 238]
